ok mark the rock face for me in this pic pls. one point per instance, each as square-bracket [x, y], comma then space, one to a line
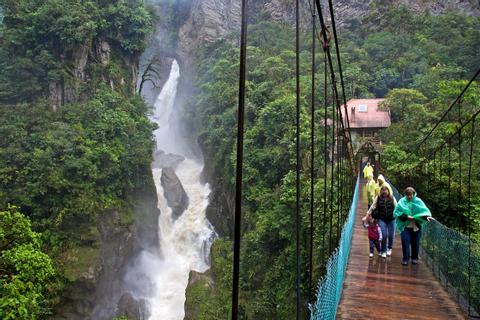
[200, 284]
[99, 291]
[166, 160]
[174, 192]
[211, 20]
[346, 10]
[131, 308]
[89, 297]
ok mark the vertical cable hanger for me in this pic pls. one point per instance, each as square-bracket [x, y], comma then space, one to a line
[449, 173]
[312, 161]
[469, 219]
[325, 152]
[297, 215]
[239, 168]
[332, 176]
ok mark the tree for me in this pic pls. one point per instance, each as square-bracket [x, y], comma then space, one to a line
[397, 101]
[27, 277]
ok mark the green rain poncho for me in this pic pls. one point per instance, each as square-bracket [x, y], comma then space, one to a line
[415, 208]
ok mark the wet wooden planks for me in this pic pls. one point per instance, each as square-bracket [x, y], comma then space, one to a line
[377, 288]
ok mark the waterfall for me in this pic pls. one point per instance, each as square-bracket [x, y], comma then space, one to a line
[182, 240]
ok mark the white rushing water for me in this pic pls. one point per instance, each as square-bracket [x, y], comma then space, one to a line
[184, 242]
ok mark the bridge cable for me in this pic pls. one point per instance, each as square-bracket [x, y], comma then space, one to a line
[239, 168]
[332, 164]
[325, 153]
[469, 220]
[332, 15]
[449, 173]
[297, 216]
[459, 152]
[312, 160]
[338, 173]
[326, 40]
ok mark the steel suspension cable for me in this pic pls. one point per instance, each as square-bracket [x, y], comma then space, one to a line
[469, 220]
[332, 75]
[337, 49]
[325, 154]
[332, 181]
[297, 215]
[239, 168]
[339, 195]
[449, 173]
[459, 151]
[312, 161]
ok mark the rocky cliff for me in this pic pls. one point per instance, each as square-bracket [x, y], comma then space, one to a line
[96, 269]
[97, 291]
[210, 20]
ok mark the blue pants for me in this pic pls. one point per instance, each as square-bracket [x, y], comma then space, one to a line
[410, 239]
[388, 230]
[374, 244]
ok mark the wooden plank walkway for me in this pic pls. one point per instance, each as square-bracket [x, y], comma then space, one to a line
[377, 288]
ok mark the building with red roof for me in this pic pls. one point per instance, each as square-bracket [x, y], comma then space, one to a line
[366, 119]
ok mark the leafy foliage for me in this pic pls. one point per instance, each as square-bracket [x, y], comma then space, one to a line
[27, 278]
[396, 48]
[41, 39]
[64, 168]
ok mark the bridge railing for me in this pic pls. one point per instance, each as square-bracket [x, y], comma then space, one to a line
[331, 285]
[455, 261]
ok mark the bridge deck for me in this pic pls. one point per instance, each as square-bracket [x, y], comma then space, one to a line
[377, 288]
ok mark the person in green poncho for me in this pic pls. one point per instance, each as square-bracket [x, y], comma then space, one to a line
[411, 213]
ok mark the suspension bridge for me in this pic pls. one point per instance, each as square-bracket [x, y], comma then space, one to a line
[446, 282]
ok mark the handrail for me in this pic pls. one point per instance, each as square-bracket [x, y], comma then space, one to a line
[331, 285]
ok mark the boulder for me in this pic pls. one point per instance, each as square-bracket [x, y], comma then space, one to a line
[132, 308]
[166, 160]
[177, 198]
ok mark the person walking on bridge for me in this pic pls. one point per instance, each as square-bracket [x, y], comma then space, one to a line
[368, 170]
[381, 182]
[411, 214]
[371, 190]
[382, 209]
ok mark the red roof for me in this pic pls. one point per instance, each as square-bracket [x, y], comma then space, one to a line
[366, 114]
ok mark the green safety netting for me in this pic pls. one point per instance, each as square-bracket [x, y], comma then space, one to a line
[331, 285]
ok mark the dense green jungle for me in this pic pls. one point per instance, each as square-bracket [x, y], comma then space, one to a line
[66, 161]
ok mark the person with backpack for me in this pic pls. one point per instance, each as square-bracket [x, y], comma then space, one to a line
[382, 209]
